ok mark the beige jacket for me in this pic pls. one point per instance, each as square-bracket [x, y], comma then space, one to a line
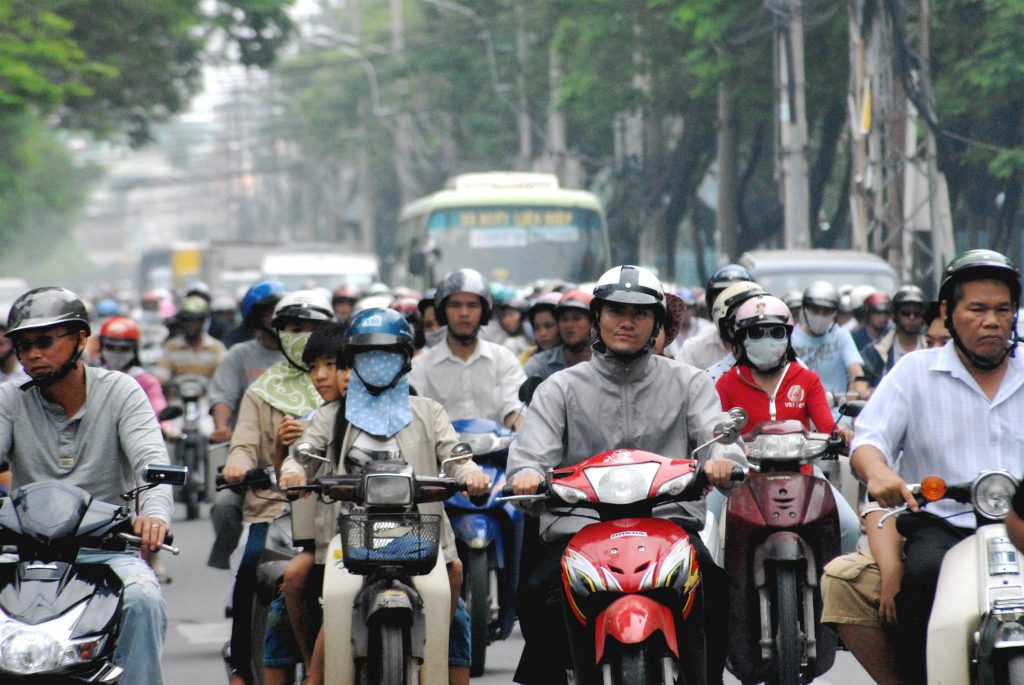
[424, 444]
[252, 446]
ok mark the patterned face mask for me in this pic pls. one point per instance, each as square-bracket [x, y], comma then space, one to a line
[293, 344]
[378, 368]
[382, 412]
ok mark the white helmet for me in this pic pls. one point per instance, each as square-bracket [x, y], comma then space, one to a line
[630, 285]
[859, 294]
[303, 305]
[726, 303]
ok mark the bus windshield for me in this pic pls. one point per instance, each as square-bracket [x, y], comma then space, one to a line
[520, 244]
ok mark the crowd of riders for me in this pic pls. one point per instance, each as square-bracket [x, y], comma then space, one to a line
[623, 361]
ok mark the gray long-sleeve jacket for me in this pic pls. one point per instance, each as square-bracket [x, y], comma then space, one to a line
[651, 403]
[102, 449]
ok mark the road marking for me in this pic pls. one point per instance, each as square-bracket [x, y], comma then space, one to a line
[205, 633]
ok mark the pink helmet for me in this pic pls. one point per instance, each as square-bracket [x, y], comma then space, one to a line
[762, 310]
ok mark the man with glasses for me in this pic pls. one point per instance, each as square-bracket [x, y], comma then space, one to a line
[906, 336]
[95, 429]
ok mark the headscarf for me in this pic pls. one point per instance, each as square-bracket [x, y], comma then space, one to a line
[378, 400]
[285, 387]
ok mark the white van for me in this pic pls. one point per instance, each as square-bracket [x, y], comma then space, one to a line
[320, 269]
[783, 271]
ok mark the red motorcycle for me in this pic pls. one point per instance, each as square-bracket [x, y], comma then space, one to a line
[781, 528]
[632, 582]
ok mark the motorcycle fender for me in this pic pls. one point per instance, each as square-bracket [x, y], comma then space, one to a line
[631, 620]
[476, 530]
[956, 614]
[784, 546]
[373, 599]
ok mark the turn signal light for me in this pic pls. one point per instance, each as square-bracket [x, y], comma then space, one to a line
[933, 488]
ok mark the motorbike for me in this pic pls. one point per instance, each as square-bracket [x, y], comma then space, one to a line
[976, 629]
[59, 619]
[631, 581]
[190, 450]
[781, 528]
[489, 537]
[399, 619]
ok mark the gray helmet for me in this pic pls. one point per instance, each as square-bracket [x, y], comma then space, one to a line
[821, 294]
[463, 281]
[302, 305]
[47, 307]
[908, 294]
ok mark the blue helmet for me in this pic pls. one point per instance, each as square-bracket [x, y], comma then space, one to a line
[262, 292]
[376, 329]
[106, 307]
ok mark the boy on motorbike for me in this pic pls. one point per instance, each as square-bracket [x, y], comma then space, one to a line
[952, 411]
[379, 417]
[622, 398]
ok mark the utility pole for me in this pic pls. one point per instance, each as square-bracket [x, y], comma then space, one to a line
[407, 183]
[523, 113]
[789, 40]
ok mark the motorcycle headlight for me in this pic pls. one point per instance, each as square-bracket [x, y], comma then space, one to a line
[992, 494]
[676, 485]
[29, 651]
[767, 447]
[569, 495]
[388, 490]
[45, 647]
[621, 483]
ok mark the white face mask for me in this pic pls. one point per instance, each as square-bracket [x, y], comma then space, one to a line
[118, 361]
[818, 324]
[436, 336]
[767, 353]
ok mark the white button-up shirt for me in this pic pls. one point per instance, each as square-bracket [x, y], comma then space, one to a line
[930, 407]
[485, 386]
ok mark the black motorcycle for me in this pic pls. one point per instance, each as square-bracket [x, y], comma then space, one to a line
[191, 448]
[60, 620]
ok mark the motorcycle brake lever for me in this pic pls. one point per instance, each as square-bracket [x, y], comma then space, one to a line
[895, 512]
[137, 541]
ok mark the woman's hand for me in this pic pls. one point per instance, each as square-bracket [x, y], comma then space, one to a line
[289, 430]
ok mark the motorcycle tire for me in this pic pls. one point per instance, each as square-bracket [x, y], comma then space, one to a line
[788, 638]
[392, 659]
[1015, 668]
[478, 576]
[630, 664]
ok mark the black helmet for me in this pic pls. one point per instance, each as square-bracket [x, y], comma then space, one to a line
[46, 307]
[463, 281]
[722, 279]
[975, 265]
[908, 294]
[426, 301]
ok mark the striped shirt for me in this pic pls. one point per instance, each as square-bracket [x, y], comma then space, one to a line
[930, 407]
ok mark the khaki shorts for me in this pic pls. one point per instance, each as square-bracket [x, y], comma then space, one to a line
[850, 590]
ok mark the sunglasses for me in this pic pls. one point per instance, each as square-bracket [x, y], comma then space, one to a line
[118, 348]
[775, 332]
[911, 312]
[43, 342]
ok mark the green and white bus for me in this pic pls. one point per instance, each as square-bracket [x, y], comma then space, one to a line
[515, 228]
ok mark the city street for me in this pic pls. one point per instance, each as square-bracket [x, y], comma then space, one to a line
[198, 629]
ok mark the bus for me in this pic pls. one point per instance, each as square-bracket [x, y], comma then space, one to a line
[514, 228]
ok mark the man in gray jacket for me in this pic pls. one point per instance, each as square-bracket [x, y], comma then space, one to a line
[92, 428]
[622, 398]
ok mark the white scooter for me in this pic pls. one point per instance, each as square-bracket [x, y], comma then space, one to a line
[976, 630]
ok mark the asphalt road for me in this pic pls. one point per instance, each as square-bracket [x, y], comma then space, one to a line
[197, 629]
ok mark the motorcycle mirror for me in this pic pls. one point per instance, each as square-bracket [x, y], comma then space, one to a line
[529, 387]
[165, 474]
[852, 407]
[305, 453]
[726, 432]
[170, 412]
[739, 417]
[461, 452]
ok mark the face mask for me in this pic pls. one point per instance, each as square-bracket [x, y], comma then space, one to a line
[818, 324]
[767, 353]
[378, 368]
[118, 361]
[436, 336]
[292, 344]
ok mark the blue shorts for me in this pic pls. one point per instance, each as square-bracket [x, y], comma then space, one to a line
[459, 652]
[279, 645]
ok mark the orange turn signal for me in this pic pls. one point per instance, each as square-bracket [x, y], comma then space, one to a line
[933, 488]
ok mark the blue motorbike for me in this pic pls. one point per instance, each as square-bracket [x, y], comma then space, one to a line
[489, 537]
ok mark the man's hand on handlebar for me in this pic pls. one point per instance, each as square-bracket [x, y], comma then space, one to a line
[526, 483]
[292, 479]
[889, 490]
[152, 531]
[719, 471]
[234, 473]
[477, 484]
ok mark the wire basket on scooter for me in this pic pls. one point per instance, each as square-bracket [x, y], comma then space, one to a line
[405, 541]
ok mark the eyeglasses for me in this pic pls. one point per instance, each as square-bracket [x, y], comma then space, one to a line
[43, 342]
[911, 312]
[775, 332]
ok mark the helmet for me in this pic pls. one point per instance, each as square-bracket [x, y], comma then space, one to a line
[120, 328]
[373, 302]
[349, 292]
[193, 307]
[858, 295]
[377, 288]
[761, 310]
[426, 301]
[106, 307]
[375, 329]
[821, 294]
[223, 303]
[975, 265]
[261, 293]
[794, 299]
[878, 303]
[574, 299]
[407, 307]
[629, 285]
[302, 305]
[720, 280]
[200, 289]
[688, 297]
[46, 307]
[908, 294]
[463, 281]
[676, 308]
[545, 302]
[722, 314]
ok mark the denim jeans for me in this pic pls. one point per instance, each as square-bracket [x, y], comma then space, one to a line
[144, 620]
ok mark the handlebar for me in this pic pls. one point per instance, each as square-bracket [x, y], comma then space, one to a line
[136, 540]
[257, 479]
[699, 483]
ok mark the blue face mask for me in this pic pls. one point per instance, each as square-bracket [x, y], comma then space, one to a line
[388, 411]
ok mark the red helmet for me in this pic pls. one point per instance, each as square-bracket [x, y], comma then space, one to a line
[878, 303]
[120, 328]
[346, 291]
[409, 308]
[574, 299]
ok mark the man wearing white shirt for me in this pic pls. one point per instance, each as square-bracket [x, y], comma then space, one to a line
[470, 377]
[953, 412]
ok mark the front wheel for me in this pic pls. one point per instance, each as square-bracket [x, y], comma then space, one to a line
[479, 585]
[190, 491]
[1015, 668]
[643, 663]
[788, 642]
[392, 657]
